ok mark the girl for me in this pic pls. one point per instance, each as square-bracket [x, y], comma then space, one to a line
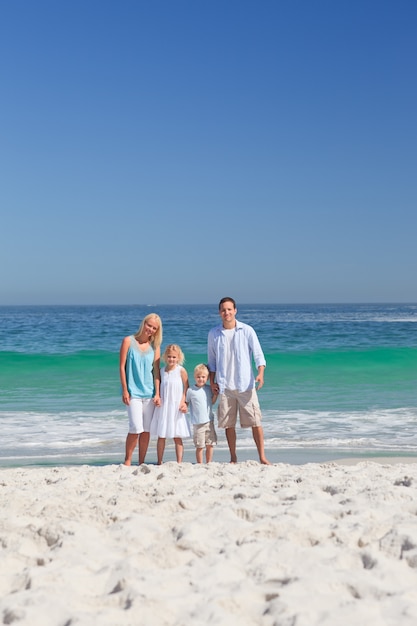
[140, 378]
[169, 419]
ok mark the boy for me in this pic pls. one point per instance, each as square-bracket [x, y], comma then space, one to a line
[200, 399]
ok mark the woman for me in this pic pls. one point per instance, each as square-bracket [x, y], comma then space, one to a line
[140, 378]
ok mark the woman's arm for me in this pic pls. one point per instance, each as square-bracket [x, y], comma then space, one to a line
[157, 377]
[122, 369]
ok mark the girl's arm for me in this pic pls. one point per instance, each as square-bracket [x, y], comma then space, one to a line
[157, 377]
[184, 378]
[122, 369]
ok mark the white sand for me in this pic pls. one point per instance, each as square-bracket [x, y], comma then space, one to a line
[223, 544]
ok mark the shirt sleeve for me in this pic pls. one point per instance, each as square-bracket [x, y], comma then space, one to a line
[211, 352]
[258, 355]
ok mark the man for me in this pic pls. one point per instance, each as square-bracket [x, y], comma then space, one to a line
[231, 347]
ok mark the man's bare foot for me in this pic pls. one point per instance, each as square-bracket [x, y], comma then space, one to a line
[264, 461]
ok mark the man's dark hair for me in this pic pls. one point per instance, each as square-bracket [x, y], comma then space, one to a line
[223, 300]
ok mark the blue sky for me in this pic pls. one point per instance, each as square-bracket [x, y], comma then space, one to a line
[176, 151]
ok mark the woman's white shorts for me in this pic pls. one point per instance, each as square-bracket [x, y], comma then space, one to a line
[140, 411]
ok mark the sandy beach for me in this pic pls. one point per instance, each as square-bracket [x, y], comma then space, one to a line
[281, 545]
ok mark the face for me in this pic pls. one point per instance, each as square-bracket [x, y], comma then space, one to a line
[172, 358]
[151, 326]
[227, 312]
[201, 378]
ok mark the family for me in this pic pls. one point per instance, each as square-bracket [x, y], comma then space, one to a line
[158, 398]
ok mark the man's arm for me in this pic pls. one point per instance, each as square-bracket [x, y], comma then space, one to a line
[211, 355]
[213, 385]
[258, 357]
[259, 380]
[257, 352]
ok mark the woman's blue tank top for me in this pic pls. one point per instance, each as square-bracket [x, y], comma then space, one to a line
[139, 371]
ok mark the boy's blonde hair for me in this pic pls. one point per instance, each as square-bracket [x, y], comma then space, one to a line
[201, 367]
[156, 339]
[175, 348]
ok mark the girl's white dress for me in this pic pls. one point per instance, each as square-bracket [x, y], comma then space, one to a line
[167, 420]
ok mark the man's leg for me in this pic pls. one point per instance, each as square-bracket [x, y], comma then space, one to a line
[258, 436]
[231, 441]
[226, 417]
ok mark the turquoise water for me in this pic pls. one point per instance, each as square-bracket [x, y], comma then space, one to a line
[340, 380]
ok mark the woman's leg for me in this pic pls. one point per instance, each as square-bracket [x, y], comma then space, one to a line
[143, 446]
[148, 411]
[131, 441]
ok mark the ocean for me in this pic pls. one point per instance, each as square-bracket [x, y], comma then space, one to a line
[341, 380]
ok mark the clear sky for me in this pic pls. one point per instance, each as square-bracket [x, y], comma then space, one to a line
[177, 151]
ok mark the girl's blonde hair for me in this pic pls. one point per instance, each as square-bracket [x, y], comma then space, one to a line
[156, 339]
[175, 348]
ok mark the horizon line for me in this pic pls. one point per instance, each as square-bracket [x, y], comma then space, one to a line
[301, 303]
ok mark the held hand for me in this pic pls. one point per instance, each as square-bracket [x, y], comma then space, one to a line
[183, 407]
[157, 401]
[214, 388]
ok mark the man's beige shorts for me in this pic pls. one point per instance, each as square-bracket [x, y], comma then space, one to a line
[204, 435]
[246, 402]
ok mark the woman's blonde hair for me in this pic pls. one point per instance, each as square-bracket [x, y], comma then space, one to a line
[156, 339]
[175, 348]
